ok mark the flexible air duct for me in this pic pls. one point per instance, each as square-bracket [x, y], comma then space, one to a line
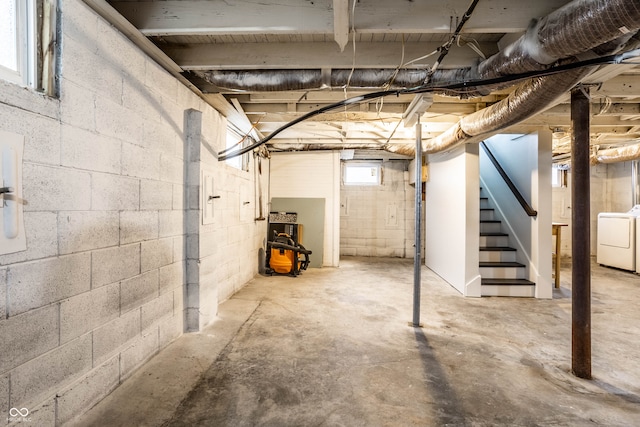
[527, 100]
[283, 80]
[614, 155]
[575, 28]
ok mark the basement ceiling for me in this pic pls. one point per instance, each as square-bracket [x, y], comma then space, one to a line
[256, 35]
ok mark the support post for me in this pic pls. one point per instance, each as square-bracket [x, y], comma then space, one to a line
[580, 237]
[418, 226]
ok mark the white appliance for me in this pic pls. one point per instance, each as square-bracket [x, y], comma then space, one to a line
[638, 245]
[617, 239]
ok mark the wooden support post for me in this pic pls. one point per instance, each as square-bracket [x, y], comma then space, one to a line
[580, 238]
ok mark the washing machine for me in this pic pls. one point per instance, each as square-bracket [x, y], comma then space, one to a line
[617, 239]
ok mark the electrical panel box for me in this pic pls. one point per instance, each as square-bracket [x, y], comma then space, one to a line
[12, 233]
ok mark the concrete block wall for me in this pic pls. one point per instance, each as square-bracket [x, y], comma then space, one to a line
[610, 188]
[99, 289]
[379, 220]
[311, 175]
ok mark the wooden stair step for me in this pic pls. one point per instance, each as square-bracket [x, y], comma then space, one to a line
[497, 248]
[500, 264]
[506, 282]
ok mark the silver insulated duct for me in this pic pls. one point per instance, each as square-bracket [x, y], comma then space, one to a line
[579, 29]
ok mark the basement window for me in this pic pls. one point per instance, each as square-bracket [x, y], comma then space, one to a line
[237, 141]
[362, 173]
[27, 43]
[559, 176]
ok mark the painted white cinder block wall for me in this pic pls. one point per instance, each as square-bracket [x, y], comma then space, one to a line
[99, 289]
[610, 186]
[311, 175]
[379, 220]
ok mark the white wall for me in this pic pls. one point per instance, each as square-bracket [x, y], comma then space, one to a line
[315, 175]
[610, 186]
[379, 220]
[99, 289]
[527, 161]
[453, 218]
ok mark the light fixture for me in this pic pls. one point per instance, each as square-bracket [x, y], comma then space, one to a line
[418, 106]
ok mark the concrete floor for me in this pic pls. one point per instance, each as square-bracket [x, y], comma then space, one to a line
[333, 348]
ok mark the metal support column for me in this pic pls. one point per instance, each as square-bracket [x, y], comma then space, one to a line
[418, 222]
[580, 237]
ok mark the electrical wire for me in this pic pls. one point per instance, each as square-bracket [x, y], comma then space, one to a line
[353, 39]
[427, 88]
[444, 49]
[473, 45]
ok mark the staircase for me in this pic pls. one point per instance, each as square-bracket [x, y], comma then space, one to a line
[501, 274]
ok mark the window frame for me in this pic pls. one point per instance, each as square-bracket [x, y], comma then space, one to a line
[559, 176]
[362, 164]
[26, 45]
[236, 140]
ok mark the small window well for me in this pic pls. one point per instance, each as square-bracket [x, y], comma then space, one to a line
[362, 173]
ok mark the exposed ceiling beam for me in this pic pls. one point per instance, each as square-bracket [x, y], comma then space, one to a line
[250, 56]
[620, 87]
[306, 17]
[341, 22]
